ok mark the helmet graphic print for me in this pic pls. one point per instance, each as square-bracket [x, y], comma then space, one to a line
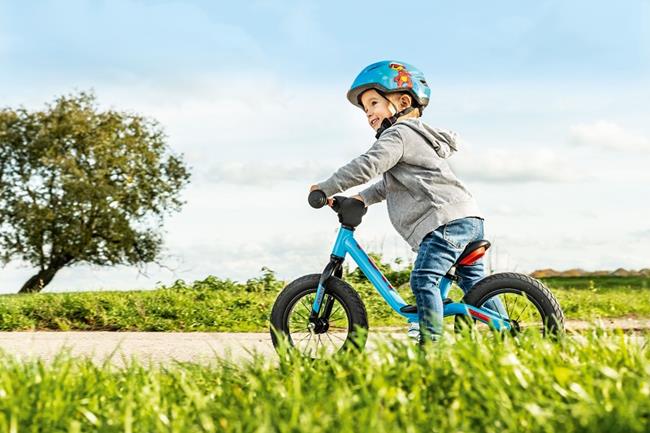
[391, 76]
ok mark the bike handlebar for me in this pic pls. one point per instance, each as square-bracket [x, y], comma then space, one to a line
[317, 199]
[349, 210]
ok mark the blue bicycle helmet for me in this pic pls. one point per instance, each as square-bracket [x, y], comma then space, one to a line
[390, 76]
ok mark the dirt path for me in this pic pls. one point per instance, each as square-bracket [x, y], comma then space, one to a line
[190, 346]
[624, 323]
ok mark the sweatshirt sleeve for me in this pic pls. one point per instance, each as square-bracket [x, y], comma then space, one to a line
[381, 157]
[374, 193]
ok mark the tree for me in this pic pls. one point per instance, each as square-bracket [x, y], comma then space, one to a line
[79, 185]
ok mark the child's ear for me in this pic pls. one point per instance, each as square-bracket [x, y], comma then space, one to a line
[405, 101]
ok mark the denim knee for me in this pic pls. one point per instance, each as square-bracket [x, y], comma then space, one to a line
[422, 278]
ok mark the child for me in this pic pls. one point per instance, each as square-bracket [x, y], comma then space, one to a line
[427, 204]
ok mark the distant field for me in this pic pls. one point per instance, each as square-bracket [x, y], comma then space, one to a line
[223, 305]
[589, 297]
[598, 283]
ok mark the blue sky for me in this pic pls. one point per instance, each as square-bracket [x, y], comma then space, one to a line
[326, 41]
[550, 98]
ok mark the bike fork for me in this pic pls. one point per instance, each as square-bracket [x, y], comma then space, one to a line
[334, 267]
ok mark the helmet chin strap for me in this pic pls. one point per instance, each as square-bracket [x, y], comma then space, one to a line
[390, 121]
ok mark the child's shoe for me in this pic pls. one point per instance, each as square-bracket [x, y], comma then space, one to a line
[414, 331]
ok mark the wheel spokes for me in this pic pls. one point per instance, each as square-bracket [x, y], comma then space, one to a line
[521, 316]
[324, 336]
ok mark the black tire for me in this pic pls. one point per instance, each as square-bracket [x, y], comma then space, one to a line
[343, 293]
[512, 283]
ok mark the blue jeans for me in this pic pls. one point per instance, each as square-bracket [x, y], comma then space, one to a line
[438, 252]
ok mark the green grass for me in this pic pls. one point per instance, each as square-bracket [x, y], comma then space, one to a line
[214, 304]
[208, 305]
[598, 283]
[602, 297]
[597, 382]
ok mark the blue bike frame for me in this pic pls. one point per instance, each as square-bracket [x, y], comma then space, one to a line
[346, 244]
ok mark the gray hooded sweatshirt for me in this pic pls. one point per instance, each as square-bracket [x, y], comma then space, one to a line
[421, 191]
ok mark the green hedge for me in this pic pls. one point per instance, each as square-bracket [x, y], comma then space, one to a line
[214, 304]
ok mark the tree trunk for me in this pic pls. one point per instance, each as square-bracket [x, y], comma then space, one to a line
[39, 281]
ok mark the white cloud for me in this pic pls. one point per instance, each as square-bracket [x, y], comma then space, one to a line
[588, 249]
[262, 173]
[641, 235]
[508, 165]
[250, 117]
[608, 135]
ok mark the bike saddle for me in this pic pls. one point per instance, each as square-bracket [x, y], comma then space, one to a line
[473, 251]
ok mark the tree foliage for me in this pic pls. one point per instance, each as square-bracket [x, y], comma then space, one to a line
[82, 185]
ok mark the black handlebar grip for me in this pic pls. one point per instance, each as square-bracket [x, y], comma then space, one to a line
[317, 199]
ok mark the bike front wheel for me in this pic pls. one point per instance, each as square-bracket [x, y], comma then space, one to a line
[344, 328]
[529, 305]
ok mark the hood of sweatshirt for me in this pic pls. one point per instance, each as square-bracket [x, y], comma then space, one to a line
[443, 141]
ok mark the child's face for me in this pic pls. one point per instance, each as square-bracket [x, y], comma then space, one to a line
[377, 107]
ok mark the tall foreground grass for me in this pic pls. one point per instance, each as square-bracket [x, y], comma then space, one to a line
[594, 383]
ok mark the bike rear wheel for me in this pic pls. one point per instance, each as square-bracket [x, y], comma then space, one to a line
[344, 329]
[530, 306]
